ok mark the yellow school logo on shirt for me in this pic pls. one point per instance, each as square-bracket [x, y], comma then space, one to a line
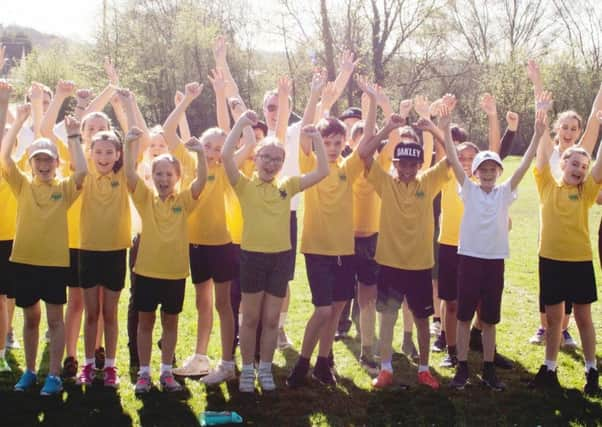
[282, 193]
[573, 196]
[56, 196]
[177, 209]
[420, 194]
[211, 178]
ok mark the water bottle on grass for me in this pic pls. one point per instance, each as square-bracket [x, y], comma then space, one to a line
[213, 418]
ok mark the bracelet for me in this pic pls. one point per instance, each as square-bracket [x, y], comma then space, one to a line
[77, 135]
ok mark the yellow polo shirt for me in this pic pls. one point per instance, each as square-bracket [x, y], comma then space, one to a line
[266, 212]
[405, 239]
[163, 251]
[366, 203]
[452, 210]
[105, 212]
[8, 211]
[564, 212]
[233, 211]
[41, 226]
[328, 210]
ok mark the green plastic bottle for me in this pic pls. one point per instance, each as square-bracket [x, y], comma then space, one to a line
[213, 418]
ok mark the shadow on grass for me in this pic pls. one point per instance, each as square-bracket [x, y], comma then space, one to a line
[166, 409]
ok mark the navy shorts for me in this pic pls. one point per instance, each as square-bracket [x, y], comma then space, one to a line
[448, 272]
[395, 284]
[264, 272]
[102, 268]
[73, 279]
[292, 254]
[7, 269]
[150, 292]
[219, 262]
[569, 281]
[36, 283]
[366, 268]
[331, 278]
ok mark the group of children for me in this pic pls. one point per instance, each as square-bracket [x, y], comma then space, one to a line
[222, 207]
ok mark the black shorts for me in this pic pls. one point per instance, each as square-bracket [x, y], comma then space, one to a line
[264, 272]
[480, 284]
[569, 281]
[366, 268]
[218, 262]
[102, 268]
[395, 284]
[151, 292]
[48, 284]
[292, 254]
[7, 269]
[448, 272]
[436, 222]
[331, 278]
[73, 278]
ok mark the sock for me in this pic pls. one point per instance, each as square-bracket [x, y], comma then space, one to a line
[200, 356]
[144, 370]
[322, 361]
[442, 334]
[386, 366]
[110, 363]
[282, 320]
[590, 365]
[551, 365]
[436, 319]
[303, 362]
[248, 367]
[488, 365]
[451, 350]
[2, 353]
[165, 368]
[229, 364]
[423, 368]
[89, 361]
[240, 318]
[265, 366]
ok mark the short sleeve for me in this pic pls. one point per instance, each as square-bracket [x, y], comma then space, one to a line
[70, 189]
[354, 166]
[185, 197]
[14, 177]
[141, 195]
[543, 178]
[437, 176]
[508, 196]
[590, 190]
[292, 185]
[187, 162]
[467, 189]
[241, 184]
[307, 163]
[377, 177]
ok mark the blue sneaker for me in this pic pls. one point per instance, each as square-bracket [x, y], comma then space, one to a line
[27, 380]
[52, 385]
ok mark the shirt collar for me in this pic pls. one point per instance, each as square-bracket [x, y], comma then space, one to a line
[259, 182]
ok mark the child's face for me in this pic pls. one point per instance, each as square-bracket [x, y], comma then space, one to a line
[574, 168]
[466, 156]
[213, 148]
[44, 167]
[568, 132]
[406, 169]
[270, 111]
[92, 126]
[334, 144]
[104, 155]
[259, 135]
[165, 178]
[157, 146]
[488, 172]
[268, 162]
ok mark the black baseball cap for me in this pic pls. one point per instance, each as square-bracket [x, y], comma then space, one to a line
[351, 113]
[408, 151]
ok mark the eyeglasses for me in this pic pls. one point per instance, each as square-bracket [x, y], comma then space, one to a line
[266, 158]
[271, 108]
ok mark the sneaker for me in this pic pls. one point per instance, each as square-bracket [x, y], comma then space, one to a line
[489, 379]
[194, 366]
[220, 374]
[87, 375]
[266, 380]
[383, 380]
[52, 385]
[502, 361]
[246, 381]
[27, 380]
[4, 367]
[567, 341]
[409, 349]
[283, 341]
[545, 379]
[476, 342]
[111, 379]
[435, 328]
[169, 383]
[11, 341]
[143, 383]
[460, 379]
[99, 358]
[427, 379]
[591, 383]
[449, 361]
[440, 344]
[539, 338]
[298, 375]
[369, 364]
[70, 367]
[323, 373]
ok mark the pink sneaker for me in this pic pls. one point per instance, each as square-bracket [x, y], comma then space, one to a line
[87, 375]
[111, 377]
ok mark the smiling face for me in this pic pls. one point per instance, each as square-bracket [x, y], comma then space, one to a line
[44, 167]
[334, 144]
[574, 166]
[568, 129]
[165, 176]
[213, 148]
[406, 169]
[268, 161]
[104, 155]
[157, 145]
[488, 173]
[270, 111]
[93, 125]
[466, 155]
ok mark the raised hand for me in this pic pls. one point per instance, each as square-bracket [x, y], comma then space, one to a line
[395, 121]
[364, 84]
[235, 103]
[444, 117]
[310, 131]
[64, 88]
[23, 112]
[512, 120]
[248, 118]
[422, 106]
[285, 85]
[125, 96]
[111, 72]
[84, 94]
[5, 90]
[329, 94]
[72, 125]
[450, 101]
[36, 91]
[544, 101]
[220, 49]
[425, 124]
[193, 90]
[405, 107]
[195, 145]
[541, 122]
[346, 62]
[488, 104]
[381, 97]
[533, 71]
[133, 134]
[217, 80]
[318, 80]
[599, 116]
[178, 97]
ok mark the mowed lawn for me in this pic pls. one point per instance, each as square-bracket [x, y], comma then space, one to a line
[351, 402]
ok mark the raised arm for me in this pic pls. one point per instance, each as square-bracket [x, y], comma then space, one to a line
[220, 52]
[183, 124]
[450, 149]
[597, 168]
[347, 63]
[318, 81]
[5, 90]
[523, 167]
[196, 187]
[535, 76]
[218, 82]
[249, 118]
[120, 113]
[248, 145]
[371, 91]
[422, 107]
[191, 92]
[509, 133]
[64, 89]
[590, 136]
[405, 106]
[37, 107]
[321, 170]
[130, 151]
[76, 153]
[489, 106]
[368, 146]
[285, 87]
[10, 139]
[545, 148]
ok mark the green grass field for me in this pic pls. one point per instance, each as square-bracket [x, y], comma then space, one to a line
[352, 402]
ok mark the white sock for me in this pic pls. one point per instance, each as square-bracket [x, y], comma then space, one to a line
[386, 366]
[240, 318]
[248, 367]
[165, 368]
[144, 370]
[423, 368]
[110, 363]
[2, 353]
[89, 361]
[590, 365]
[228, 363]
[265, 366]
[282, 320]
[550, 364]
[200, 356]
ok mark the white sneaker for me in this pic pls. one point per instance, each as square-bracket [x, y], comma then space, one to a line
[283, 341]
[435, 329]
[539, 338]
[220, 374]
[194, 366]
[11, 341]
[246, 381]
[568, 341]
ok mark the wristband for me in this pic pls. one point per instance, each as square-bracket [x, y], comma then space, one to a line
[77, 135]
[79, 107]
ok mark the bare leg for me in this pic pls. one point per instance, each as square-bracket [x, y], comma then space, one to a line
[56, 326]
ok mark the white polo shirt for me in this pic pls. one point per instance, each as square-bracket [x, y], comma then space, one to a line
[484, 228]
[26, 136]
[290, 167]
[555, 163]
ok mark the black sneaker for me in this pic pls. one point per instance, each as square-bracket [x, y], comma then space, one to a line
[298, 376]
[323, 372]
[70, 368]
[591, 383]
[440, 344]
[460, 380]
[476, 342]
[545, 379]
[502, 362]
[99, 358]
[489, 379]
[369, 364]
[449, 361]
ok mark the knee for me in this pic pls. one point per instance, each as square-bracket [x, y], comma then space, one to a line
[145, 324]
[323, 314]
[55, 323]
[223, 307]
[250, 320]
[270, 320]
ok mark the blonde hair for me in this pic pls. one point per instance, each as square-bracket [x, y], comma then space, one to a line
[569, 114]
[575, 149]
[269, 141]
[212, 132]
[169, 159]
[96, 115]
